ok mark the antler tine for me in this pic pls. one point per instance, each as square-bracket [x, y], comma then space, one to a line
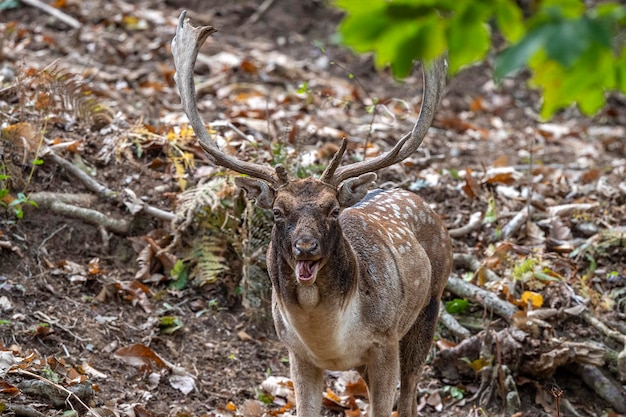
[185, 47]
[334, 162]
[434, 76]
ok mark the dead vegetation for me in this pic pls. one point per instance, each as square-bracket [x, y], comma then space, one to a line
[127, 260]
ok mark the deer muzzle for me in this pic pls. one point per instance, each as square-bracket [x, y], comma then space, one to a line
[307, 255]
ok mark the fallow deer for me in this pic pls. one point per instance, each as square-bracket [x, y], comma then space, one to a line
[356, 277]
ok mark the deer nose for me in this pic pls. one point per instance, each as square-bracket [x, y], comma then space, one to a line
[306, 247]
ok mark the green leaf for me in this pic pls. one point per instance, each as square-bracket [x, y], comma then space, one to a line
[37, 161]
[620, 71]
[468, 36]
[516, 56]
[180, 275]
[303, 88]
[491, 215]
[566, 40]
[457, 306]
[169, 324]
[510, 20]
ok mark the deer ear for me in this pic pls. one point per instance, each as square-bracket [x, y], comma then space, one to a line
[257, 190]
[354, 189]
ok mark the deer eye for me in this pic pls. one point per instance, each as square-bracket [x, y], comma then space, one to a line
[335, 212]
[277, 214]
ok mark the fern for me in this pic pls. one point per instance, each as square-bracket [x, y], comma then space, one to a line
[255, 236]
[64, 96]
[209, 260]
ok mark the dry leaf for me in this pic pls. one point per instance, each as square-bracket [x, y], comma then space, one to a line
[140, 356]
[243, 336]
[8, 389]
[471, 187]
[532, 298]
[278, 386]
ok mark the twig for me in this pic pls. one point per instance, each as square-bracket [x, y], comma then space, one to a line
[470, 262]
[603, 328]
[56, 322]
[135, 204]
[566, 210]
[516, 222]
[57, 386]
[43, 242]
[85, 178]
[263, 8]
[483, 297]
[474, 223]
[56, 13]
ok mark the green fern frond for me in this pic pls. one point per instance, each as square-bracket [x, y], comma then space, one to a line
[210, 262]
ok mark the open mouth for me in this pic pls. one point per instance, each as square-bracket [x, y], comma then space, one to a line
[306, 271]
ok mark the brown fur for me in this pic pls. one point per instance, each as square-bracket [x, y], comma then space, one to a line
[373, 305]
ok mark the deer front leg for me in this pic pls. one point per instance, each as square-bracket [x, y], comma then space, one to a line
[383, 370]
[308, 383]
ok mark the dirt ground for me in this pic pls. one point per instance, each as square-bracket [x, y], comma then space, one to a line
[69, 294]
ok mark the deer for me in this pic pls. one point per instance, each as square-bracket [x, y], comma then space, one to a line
[357, 275]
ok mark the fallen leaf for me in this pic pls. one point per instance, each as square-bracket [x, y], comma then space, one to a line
[140, 356]
[8, 389]
[535, 299]
[243, 336]
[183, 383]
[471, 187]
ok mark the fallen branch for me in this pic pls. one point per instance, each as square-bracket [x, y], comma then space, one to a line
[85, 178]
[260, 11]
[56, 13]
[135, 205]
[603, 328]
[515, 224]
[471, 263]
[480, 296]
[130, 199]
[565, 210]
[474, 223]
[51, 202]
[23, 410]
[53, 395]
[451, 323]
[603, 386]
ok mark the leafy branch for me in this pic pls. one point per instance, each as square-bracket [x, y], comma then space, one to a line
[576, 54]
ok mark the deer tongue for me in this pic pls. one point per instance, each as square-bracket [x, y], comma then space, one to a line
[306, 271]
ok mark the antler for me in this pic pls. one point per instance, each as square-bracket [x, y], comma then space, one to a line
[185, 47]
[434, 83]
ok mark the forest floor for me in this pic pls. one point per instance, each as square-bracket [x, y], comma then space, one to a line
[105, 307]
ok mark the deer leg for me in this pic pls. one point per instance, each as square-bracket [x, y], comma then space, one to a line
[362, 370]
[383, 369]
[414, 348]
[308, 382]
